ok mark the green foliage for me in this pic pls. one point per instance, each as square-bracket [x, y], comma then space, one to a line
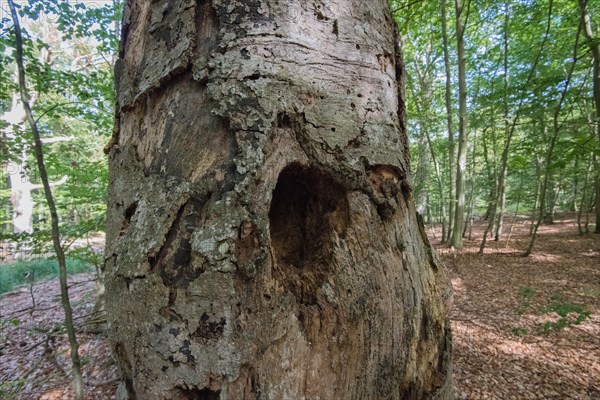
[69, 48]
[11, 389]
[519, 331]
[527, 294]
[515, 77]
[591, 292]
[15, 274]
[569, 313]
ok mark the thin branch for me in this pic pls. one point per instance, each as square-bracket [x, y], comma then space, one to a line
[39, 155]
[66, 103]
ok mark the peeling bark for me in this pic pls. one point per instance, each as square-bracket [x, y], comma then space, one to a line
[262, 240]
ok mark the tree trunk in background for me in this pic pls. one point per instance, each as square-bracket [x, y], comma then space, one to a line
[461, 165]
[426, 79]
[556, 128]
[507, 131]
[262, 240]
[594, 46]
[20, 187]
[492, 178]
[21, 199]
[440, 184]
[422, 173]
[471, 210]
[550, 196]
[584, 206]
[448, 101]
[575, 189]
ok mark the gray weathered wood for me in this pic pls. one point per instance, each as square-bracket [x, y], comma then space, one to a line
[262, 242]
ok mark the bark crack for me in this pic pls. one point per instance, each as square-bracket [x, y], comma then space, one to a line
[173, 77]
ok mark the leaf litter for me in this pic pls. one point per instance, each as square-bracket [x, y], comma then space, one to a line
[526, 327]
[502, 302]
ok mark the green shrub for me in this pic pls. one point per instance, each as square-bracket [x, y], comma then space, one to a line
[10, 389]
[527, 295]
[569, 313]
[15, 274]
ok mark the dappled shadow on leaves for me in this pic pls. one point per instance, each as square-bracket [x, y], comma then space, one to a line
[34, 351]
[509, 340]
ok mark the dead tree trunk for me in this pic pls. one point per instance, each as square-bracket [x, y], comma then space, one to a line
[262, 241]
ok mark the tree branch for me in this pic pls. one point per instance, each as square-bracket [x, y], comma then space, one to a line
[39, 156]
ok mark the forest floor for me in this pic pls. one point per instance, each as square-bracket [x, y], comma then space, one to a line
[524, 328]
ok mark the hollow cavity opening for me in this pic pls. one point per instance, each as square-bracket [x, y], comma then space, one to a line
[309, 213]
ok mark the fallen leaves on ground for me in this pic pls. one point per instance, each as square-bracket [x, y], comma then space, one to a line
[502, 302]
[34, 352]
[509, 340]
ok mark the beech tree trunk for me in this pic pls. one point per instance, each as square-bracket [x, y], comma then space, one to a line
[422, 174]
[594, 46]
[461, 161]
[262, 241]
[448, 103]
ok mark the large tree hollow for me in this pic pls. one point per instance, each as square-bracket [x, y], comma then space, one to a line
[195, 394]
[309, 214]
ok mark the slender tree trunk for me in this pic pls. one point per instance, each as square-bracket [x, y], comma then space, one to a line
[262, 238]
[507, 133]
[461, 165]
[549, 196]
[512, 224]
[501, 187]
[491, 178]
[440, 185]
[60, 255]
[538, 189]
[426, 89]
[575, 195]
[472, 195]
[594, 45]
[448, 101]
[584, 205]
[548, 161]
[422, 173]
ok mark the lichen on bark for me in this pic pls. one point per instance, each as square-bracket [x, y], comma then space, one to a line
[262, 240]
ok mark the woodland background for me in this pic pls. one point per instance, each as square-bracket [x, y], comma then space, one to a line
[502, 123]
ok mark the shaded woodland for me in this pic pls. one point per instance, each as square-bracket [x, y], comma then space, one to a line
[503, 129]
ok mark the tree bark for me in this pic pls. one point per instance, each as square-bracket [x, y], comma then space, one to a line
[262, 241]
[461, 162]
[448, 102]
[422, 173]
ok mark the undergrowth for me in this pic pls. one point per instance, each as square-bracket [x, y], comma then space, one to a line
[568, 313]
[19, 273]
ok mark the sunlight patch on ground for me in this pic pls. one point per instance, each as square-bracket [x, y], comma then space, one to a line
[56, 394]
[458, 285]
[546, 258]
